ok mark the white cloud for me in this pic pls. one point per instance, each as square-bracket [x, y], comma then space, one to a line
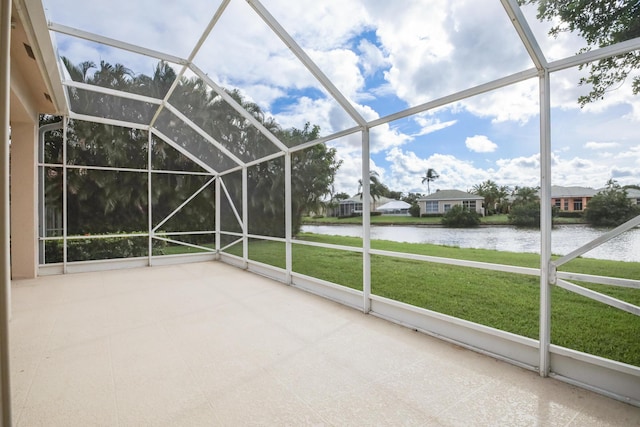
[341, 67]
[518, 103]
[407, 170]
[592, 145]
[426, 48]
[429, 125]
[480, 144]
[372, 59]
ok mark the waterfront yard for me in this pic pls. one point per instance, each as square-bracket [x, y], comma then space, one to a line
[501, 300]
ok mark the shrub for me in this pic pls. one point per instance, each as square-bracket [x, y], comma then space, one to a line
[414, 210]
[97, 249]
[610, 207]
[525, 214]
[461, 217]
[569, 214]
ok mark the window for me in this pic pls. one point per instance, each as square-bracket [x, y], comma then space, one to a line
[431, 207]
[557, 203]
[469, 204]
[566, 205]
[447, 207]
[577, 205]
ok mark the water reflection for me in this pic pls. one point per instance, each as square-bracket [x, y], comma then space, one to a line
[564, 238]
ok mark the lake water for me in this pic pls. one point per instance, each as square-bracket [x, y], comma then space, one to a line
[564, 238]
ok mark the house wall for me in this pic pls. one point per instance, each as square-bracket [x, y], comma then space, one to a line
[445, 205]
[24, 196]
[568, 204]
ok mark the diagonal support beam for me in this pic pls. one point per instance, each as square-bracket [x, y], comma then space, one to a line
[526, 35]
[597, 296]
[229, 99]
[634, 222]
[306, 60]
[183, 204]
[233, 206]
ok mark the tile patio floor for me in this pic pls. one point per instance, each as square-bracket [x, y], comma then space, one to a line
[208, 344]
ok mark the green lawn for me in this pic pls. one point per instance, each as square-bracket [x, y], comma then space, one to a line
[504, 301]
[409, 220]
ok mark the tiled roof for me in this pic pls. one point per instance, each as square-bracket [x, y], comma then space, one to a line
[451, 195]
[558, 191]
[358, 199]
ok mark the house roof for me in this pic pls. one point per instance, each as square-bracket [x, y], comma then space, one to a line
[35, 79]
[394, 205]
[451, 195]
[559, 191]
[358, 199]
[633, 193]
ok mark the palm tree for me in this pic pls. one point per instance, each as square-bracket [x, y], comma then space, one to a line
[523, 195]
[431, 175]
[376, 188]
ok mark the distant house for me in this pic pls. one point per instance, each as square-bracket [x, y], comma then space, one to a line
[395, 207]
[353, 205]
[442, 201]
[571, 199]
[576, 199]
[634, 195]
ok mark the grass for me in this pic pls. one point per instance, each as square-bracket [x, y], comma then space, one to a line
[409, 220]
[505, 301]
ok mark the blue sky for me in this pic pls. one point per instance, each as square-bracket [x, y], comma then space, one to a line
[385, 57]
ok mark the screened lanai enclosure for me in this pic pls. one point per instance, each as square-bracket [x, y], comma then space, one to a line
[198, 133]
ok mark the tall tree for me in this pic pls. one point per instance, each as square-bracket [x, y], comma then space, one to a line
[610, 207]
[489, 190]
[430, 176]
[523, 195]
[601, 23]
[525, 210]
[105, 201]
[376, 188]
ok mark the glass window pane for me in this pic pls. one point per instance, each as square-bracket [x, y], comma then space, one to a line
[168, 158]
[107, 248]
[106, 202]
[266, 198]
[194, 143]
[101, 105]
[53, 141]
[221, 121]
[171, 190]
[231, 202]
[162, 247]
[336, 266]
[268, 252]
[96, 144]
[52, 223]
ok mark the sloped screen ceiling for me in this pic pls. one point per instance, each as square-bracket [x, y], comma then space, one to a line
[340, 65]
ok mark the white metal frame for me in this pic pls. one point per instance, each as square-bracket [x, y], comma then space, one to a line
[539, 355]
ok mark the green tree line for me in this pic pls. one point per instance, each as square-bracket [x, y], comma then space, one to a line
[108, 201]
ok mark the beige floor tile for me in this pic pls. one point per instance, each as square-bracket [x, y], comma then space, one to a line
[262, 401]
[209, 344]
[73, 386]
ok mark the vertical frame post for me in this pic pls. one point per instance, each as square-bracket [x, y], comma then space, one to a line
[149, 199]
[65, 210]
[288, 221]
[5, 250]
[366, 222]
[245, 216]
[545, 222]
[218, 216]
[42, 210]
